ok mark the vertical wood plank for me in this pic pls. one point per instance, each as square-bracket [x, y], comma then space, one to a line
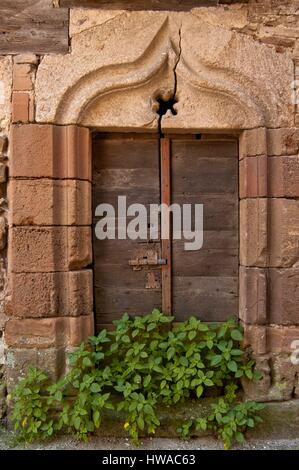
[166, 243]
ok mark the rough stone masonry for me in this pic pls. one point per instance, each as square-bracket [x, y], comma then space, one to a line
[234, 67]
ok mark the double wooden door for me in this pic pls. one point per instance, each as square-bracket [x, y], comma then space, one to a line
[135, 276]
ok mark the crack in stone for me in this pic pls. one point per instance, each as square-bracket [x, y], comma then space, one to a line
[172, 100]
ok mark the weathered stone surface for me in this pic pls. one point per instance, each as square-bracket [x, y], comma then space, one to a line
[253, 177]
[26, 58]
[235, 17]
[253, 232]
[248, 98]
[5, 91]
[283, 142]
[253, 143]
[275, 177]
[255, 338]
[2, 233]
[49, 202]
[255, 94]
[284, 233]
[3, 145]
[22, 77]
[281, 225]
[48, 332]
[50, 294]
[284, 176]
[82, 19]
[50, 152]
[285, 380]
[103, 59]
[47, 249]
[253, 295]
[284, 296]
[22, 107]
[52, 361]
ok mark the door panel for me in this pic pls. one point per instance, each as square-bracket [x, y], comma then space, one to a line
[148, 171]
[128, 167]
[205, 282]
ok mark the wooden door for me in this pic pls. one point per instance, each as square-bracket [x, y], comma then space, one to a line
[135, 276]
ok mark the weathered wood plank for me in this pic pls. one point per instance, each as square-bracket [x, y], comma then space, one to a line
[33, 26]
[165, 221]
[176, 5]
[205, 282]
[208, 298]
[128, 167]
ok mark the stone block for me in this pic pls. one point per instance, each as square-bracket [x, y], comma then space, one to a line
[48, 249]
[284, 296]
[253, 295]
[21, 107]
[46, 151]
[49, 202]
[22, 77]
[47, 333]
[284, 233]
[253, 232]
[32, 295]
[283, 141]
[253, 142]
[253, 181]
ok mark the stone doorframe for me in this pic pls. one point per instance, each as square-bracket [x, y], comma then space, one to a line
[50, 295]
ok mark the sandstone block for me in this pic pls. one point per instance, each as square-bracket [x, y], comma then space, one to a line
[283, 141]
[253, 295]
[275, 177]
[45, 295]
[22, 77]
[284, 233]
[255, 338]
[21, 107]
[284, 296]
[50, 152]
[5, 92]
[26, 58]
[253, 232]
[52, 361]
[48, 249]
[49, 202]
[284, 176]
[48, 332]
[253, 143]
[253, 181]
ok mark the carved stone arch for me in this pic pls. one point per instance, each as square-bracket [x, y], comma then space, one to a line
[223, 79]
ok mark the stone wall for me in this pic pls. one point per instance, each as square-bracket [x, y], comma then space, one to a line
[233, 68]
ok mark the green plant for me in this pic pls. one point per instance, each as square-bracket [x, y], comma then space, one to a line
[229, 418]
[143, 363]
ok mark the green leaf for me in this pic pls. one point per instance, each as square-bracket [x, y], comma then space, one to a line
[239, 437]
[125, 339]
[147, 380]
[250, 423]
[151, 327]
[236, 335]
[95, 387]
[140, 422]
[191, 335]
[86, 362]
[199, 391]
[208, 382]
[216, 359]
[232, 365]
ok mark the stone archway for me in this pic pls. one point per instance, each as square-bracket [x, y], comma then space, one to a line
[223, 81]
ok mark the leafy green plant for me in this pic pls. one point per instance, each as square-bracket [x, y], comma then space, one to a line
[229, 419]
[144, 362]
